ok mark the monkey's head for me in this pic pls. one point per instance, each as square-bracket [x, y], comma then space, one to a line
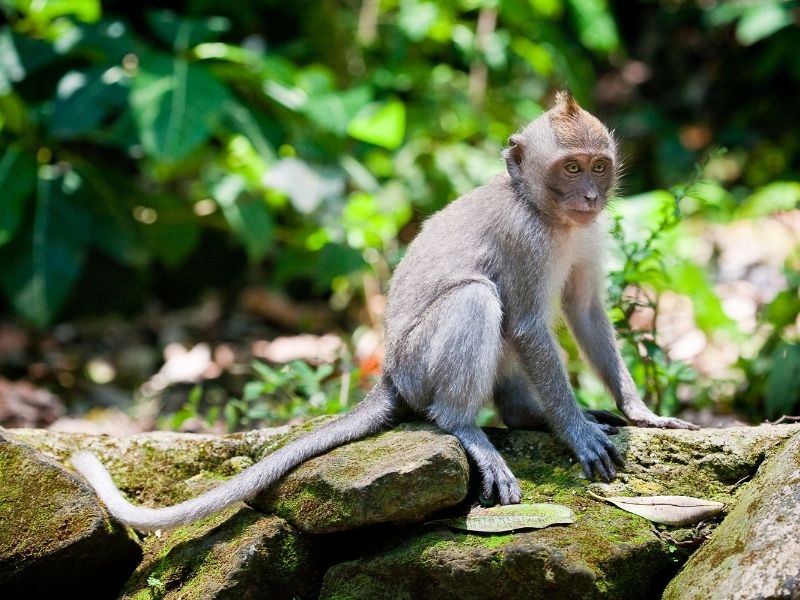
[565, 162]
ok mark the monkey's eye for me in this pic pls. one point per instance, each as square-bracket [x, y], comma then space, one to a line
[572, 167]
[599, 167]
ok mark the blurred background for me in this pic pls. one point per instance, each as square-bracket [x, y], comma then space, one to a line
[201, 203]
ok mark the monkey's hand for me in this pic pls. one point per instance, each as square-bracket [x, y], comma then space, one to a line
[596, 453]
[649, 419]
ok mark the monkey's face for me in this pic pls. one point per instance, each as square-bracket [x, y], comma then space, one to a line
[578, 185]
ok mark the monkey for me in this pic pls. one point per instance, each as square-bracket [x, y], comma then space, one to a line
[469, 320]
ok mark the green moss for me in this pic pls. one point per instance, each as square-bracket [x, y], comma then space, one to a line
[32, 501]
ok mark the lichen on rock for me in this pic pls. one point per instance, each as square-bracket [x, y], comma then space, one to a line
[55, 538]
[237, 554]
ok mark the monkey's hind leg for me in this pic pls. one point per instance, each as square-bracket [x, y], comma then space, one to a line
[463, 348]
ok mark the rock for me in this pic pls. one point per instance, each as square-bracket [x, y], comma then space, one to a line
[159, 467]
[238, 554]
[55, 539]
[606, 553]
[755, 552]
[401, 475]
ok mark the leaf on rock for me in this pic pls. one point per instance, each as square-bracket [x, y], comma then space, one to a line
[498, 519]
[669, 510]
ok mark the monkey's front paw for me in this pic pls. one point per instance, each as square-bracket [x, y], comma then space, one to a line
[596, 453]
[500, 478]
[653, 420]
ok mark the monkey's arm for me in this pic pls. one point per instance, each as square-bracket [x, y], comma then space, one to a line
[538, 352]
[587, 319]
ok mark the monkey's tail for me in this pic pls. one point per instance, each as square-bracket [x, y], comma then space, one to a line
[378, 409]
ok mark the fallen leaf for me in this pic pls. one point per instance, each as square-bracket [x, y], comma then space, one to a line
[669, 510]
[513, 517]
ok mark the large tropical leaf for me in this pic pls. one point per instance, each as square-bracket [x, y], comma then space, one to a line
[84, 100]
[175, 104]
[17, 180]
[41, 266]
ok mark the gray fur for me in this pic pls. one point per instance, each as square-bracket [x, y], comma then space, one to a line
[469, 319]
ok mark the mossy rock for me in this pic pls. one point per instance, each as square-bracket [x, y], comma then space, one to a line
[606, 553]
[755, 552]
[56, 541]
[401, 475]
[237, 554]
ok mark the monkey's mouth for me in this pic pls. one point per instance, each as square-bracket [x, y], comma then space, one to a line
[582, 217]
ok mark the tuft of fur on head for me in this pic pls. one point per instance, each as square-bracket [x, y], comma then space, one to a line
[577, 129]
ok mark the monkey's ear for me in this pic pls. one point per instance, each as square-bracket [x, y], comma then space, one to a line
[514, 154]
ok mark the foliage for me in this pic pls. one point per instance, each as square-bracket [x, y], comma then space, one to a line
[292, 391]
[302, 144]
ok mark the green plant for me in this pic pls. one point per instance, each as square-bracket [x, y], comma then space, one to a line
[292, 391]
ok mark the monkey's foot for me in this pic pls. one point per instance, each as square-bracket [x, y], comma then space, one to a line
[500, 478]
[596, 453]
[652, 420]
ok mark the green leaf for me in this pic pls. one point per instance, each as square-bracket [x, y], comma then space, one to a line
[783, 309]
[774, 197]
[241, 119]
[382, 124]
[596, 27]
[512, 517]
[333, 112]
[84, 10]
[181, 33]
[20, 56]
[85, 99]
[17, 181]
[762, 20]
[175, 105]
[783, 384]
[249, 218]
[691, 280]
[40, 268]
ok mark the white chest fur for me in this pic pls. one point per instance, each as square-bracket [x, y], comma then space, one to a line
[581, 245]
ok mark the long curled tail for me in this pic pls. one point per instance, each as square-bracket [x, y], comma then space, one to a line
[378, 409]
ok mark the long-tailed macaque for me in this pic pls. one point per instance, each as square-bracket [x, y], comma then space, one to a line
[469, 320]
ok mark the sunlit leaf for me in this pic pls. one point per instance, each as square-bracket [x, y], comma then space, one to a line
[548, 8]
[85, 10]
[305, 185]
[416, 18]
[693, 281]
[595, 23]
[333, 112]
[512, 517]
[762, 20]
[17, 181]
[773, 197]
[380, 124]
[175, 104]
[248, 218]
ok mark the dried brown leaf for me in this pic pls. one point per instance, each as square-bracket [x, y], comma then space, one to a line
[669, 510]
